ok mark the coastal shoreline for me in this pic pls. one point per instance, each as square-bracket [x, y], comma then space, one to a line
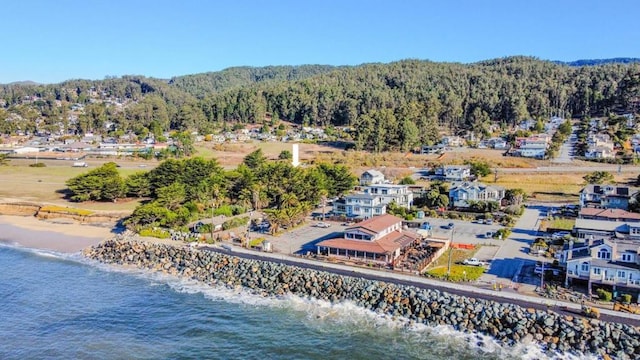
[64, 237]
[506, 323]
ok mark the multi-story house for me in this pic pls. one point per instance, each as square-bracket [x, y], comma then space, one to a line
[376, 240]
[613, 264]
[534, 146]
[400, 194]
[360, 205]
[606, 196]
[461, 193]
[370, 177]
[454, 172]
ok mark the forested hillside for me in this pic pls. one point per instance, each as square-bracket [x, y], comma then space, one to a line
[389, 106]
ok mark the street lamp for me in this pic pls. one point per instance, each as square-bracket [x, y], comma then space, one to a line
[450, 250]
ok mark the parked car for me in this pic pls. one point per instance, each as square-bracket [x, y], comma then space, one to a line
[488, 234]
[473, 262]
[560, 235]
[489, 221]
[450, 225]
[322, 225]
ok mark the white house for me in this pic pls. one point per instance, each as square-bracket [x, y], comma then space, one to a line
[400, 194]
[370, 177]
[26, 150]
[614, 264]
[607, 196]
[461, 193]
[360, 205]
[454, 172]
[588, 228]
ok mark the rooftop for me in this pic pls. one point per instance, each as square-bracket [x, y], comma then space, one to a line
[377, 223]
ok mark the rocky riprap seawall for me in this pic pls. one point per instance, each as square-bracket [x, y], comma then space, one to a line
[507, 323]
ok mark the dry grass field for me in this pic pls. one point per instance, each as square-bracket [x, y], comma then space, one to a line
[18, 180]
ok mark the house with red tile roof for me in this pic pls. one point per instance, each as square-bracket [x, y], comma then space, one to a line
[377, 240]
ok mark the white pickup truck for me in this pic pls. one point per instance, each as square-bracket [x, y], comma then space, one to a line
[473, 262]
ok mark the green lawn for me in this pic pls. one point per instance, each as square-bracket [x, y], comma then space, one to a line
[458, 273]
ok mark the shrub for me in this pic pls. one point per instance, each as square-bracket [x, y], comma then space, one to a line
[604, 295]
[156, 233]
[223, 210]
[626, 298]
[65, 210]
[38, 165]
[234, 223]
[504, 232]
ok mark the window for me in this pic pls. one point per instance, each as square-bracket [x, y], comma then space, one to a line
[585, 267]
[356, 209]
[378, 211]
[596, 271]
[635, 231]
[627, 257]
[604, 254]
[384, 191]
[622, 274]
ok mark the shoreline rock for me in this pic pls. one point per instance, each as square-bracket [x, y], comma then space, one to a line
[507, 323]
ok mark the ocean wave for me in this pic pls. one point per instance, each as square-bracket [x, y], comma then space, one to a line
[344, 316]
[50, 254]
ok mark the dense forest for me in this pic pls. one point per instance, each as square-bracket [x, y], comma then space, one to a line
[391, 106]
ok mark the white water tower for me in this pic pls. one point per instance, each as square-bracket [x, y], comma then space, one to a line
[295, 161]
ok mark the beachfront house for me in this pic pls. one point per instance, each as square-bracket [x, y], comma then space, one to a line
[359, 205]
[610, 264]
[377, 240]
[588, 228]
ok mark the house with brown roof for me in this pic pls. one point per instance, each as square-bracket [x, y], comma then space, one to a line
[608, 215]
[376, 240]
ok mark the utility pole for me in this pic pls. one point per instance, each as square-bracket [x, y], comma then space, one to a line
[211, 220]
[542, 277]
[450, 250]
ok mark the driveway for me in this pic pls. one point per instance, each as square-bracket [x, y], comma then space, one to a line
[513, 255]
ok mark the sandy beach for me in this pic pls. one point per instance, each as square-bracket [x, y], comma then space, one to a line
[27, 231]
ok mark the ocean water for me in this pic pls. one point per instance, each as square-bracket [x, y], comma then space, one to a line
[62, 306]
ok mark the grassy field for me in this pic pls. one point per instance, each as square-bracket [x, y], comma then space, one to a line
[46, 184]
[440, 267]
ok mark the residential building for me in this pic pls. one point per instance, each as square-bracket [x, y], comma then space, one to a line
[454, 172]
[604, 263]
[608, 215]
[376, 240]
[400, 194]
[432, 149]
[587, 228]
[534, 146]
[606, 196]
[600, 152]
[461, 193]
[360, 205]
[370, 177]
[452, 141]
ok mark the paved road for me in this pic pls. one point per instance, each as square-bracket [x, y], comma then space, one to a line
[514, 254]
[421, 282]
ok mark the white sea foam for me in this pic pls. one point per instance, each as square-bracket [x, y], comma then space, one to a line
[345, 316]
[39, 252]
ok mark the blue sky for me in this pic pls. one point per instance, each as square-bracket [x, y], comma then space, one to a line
[51, 41]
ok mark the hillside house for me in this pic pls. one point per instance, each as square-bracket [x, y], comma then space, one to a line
[461, 193]
[452, 141]
[376, 240]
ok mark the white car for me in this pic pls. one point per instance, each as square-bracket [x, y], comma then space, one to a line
[560, 235]
[322, 225]
[473, 262]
